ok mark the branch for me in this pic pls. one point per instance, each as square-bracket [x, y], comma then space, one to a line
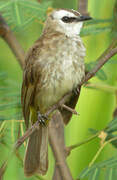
[102, 87]
[101, 148]
[82, 6]
[70, 148]
[61, 169]
[100, 62]
[11, 40]
[73, 111]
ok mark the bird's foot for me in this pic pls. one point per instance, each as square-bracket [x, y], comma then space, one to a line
[43, 119]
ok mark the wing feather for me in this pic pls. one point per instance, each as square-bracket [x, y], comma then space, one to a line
[31, 77]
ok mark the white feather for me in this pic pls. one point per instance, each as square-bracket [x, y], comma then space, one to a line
[70, 29]
[60, 13]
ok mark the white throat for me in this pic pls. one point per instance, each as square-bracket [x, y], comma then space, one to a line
[73, 30]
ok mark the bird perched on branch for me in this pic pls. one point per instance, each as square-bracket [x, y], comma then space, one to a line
[53, 67]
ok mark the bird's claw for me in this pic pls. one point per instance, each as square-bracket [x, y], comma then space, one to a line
[42, 119]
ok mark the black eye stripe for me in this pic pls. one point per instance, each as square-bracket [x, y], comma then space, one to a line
[67, 19]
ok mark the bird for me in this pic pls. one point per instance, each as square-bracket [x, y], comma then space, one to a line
[54, 66]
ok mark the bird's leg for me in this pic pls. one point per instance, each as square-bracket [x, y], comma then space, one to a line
[43, 119]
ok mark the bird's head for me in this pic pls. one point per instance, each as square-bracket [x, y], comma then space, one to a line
[66, 21]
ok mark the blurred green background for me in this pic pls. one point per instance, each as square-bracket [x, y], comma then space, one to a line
[95, 106]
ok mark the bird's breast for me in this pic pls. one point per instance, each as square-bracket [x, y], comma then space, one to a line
[63, 69]
[65, 63]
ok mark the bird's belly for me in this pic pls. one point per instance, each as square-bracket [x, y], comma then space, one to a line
[59, 82]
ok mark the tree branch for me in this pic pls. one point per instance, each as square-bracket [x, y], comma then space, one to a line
[100, 62]
[70, 148]
[82, 6]
[61, 169]
[11, 40]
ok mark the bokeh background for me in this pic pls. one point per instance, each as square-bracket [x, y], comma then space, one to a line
[95, 107]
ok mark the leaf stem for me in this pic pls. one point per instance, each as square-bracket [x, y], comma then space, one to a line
[70, 148]
[99, 151]
[104, 87]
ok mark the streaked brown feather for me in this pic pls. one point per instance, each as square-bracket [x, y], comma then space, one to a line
[27, 99]
[29, 81]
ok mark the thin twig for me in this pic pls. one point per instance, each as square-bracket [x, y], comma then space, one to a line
[99, 151]
[69, 109]
[70, 148]
[100, 62]
[102, 87]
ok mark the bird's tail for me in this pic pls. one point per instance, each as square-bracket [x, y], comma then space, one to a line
[36, 157]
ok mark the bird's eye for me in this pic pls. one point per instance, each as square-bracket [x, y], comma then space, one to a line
[66, 19]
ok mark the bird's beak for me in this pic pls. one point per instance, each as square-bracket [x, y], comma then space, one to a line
[84, 18]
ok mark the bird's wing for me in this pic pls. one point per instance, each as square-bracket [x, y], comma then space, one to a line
[71, 103]
[27, 95]
[31, 76]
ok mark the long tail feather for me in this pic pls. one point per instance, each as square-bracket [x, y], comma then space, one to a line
[36, 157]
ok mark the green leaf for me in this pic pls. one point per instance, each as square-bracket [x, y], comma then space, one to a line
[94, 175]
[96, 168]
[94, 30]
[5, 4]
[20, 13]
[11, 94]
[89, 66]
[111, 174]
[5, 89]
[2, 118]
[98, 21]
[112, 61]
[110, 136]
[108, 163]
[112, 126]
[9, 105]
[86, 172]
[3, 75]
[108, 174]
[100, 74]
[92, 131]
